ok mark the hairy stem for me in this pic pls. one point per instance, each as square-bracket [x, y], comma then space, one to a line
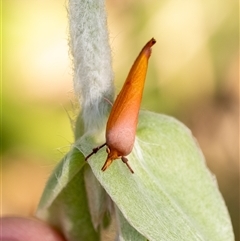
[93, 76]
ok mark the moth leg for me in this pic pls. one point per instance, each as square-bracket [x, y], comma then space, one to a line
[109, 102]
[94, 151]
[125, 160]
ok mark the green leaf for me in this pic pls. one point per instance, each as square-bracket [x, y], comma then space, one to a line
[64, 202]
[171, 195]
[106, 215]
[127, 232]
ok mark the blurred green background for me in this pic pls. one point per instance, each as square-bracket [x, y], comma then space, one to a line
[193, 76]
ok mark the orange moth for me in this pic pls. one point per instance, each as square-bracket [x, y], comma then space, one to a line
[123, 118]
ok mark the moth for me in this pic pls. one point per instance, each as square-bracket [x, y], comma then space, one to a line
[122, 122]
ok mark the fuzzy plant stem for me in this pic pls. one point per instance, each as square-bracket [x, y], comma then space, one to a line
[93, 76]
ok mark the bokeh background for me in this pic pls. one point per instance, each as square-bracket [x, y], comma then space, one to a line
[193, 76]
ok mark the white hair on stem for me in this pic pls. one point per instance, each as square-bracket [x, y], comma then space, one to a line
[93, 75]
